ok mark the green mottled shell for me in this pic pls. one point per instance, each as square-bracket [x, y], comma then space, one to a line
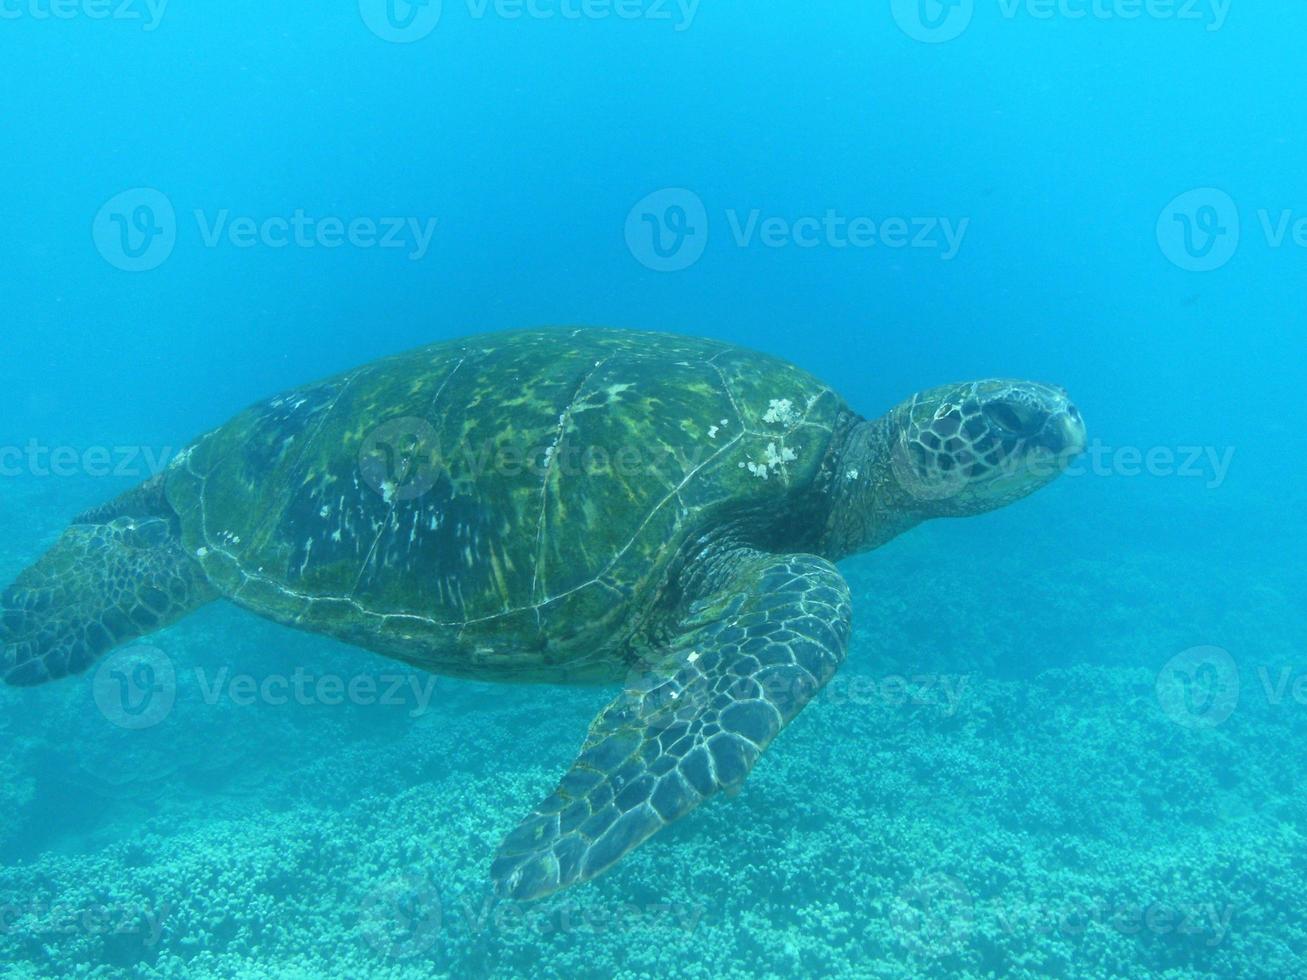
[500, 505]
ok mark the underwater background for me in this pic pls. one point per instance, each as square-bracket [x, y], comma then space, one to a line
[1069, 736]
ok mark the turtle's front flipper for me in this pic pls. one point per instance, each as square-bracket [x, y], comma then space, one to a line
[111, 578]
[747, 658]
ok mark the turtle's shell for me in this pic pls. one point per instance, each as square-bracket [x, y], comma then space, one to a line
[504, 504]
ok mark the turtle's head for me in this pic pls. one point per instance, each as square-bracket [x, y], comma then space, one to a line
[970, 448]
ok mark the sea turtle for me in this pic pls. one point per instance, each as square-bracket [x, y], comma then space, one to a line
[558, 506]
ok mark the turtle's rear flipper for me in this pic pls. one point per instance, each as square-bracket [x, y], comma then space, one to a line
[101, 585]
[748, 658]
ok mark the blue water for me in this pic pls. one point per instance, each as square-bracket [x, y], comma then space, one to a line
[1105, 196]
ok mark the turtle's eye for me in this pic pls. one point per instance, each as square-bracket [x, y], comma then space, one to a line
[1014, 418]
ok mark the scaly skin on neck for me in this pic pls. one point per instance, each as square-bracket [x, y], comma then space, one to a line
[871, 506]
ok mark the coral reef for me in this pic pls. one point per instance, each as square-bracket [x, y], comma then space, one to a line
[991, 787]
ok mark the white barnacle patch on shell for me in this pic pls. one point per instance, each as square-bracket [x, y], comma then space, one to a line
[712, 431]
[773, 459]
[781, 411]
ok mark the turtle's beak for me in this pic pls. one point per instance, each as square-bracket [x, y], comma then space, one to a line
[1068, 438]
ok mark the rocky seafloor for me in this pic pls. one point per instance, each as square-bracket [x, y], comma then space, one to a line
[1001, 783]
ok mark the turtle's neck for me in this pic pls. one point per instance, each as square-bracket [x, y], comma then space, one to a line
[870, 506]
